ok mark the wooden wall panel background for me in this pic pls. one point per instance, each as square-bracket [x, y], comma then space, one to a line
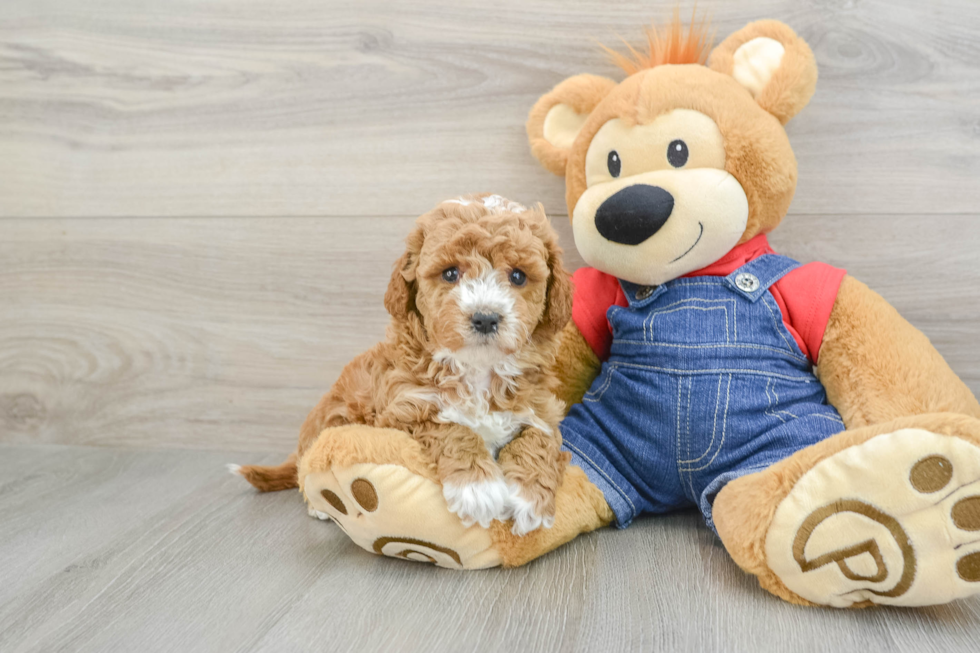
[204, 107]
[200, 201]
[223, 332]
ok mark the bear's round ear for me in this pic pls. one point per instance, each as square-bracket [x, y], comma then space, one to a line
[557, 117]
[773, 63]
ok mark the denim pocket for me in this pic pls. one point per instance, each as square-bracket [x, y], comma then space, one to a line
[692, 321]
[709, 401]
[601, 384]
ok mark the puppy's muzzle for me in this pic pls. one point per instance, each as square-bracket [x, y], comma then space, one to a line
[485, 323]
[633, 214]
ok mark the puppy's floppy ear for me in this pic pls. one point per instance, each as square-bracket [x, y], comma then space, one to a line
[558, 301]
[557, 117]
[773, 63]
[400, 296]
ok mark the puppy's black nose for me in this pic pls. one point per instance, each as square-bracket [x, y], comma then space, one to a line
[485, 322]
[633, 214]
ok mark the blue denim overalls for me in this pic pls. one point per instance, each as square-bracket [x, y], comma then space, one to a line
[704, 383]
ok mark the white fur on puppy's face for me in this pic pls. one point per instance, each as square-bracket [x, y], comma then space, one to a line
[484, 256]
[487, 293]
[482, 289]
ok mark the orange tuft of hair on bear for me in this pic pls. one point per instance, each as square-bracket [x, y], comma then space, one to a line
[668, 45]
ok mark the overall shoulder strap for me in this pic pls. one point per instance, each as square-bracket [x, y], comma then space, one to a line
[754, 278]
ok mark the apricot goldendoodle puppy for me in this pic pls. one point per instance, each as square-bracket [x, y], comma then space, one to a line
[477, 302]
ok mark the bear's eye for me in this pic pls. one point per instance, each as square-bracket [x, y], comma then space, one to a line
[451, 275]
[518, 278]
[614, 164]
[677, 153]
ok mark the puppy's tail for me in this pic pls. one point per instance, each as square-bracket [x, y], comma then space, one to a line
[269, 479]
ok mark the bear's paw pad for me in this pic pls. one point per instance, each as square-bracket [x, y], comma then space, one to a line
[389, 510]
[893, 521]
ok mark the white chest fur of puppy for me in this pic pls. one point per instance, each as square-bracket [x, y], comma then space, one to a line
[472, 410]
[496, 428]
[495, 498]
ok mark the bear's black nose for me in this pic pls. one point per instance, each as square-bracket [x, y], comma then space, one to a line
[633, 214]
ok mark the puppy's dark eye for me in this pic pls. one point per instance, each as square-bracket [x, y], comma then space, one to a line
[677, 153]
[614, 164]
[451, 275]
[518, 278]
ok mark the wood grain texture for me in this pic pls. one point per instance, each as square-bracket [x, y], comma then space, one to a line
[184, 332]
[223, 333]
[200, 202]
[204, 107]
[121, 550]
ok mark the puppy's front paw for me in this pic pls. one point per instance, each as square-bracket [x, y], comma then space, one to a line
[479, 502]
[313, 512]
[529, 514]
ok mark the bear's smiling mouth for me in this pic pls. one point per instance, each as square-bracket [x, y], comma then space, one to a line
[701, 233]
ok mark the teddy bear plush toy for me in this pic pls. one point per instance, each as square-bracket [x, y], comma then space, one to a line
[823, 438]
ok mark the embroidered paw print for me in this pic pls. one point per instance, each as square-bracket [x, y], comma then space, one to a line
[934, 473]
[361, 497]
[361, 491]
[388, 510]
[898, 523]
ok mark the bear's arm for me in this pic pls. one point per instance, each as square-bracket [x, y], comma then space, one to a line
[576, 365]
[585, 340]
[876, 366]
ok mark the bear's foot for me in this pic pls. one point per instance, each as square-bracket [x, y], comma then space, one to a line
[391, 505]
[894, 520]
[378, 487]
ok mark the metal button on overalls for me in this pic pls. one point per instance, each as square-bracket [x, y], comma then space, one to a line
[747, 282]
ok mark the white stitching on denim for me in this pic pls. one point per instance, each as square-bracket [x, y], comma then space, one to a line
[777, 323]
[687, 432]
[687, 300]
[677, 282]
[725, 370]
[724, 428]
[653, 315]
[648, 321]
[724, 419]
[769, 411]
[603, 473]
[687, 427]
[687, 421]
[686, 439]
[777, 400]
[737, 345]
[690, 479]
[714, 428]
[735, 319]
[769, 397]
[594, 397]
[680, 385]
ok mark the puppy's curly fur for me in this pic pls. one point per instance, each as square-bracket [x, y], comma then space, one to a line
[465, 393]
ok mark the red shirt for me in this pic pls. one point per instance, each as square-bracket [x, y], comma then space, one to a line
[805, 296]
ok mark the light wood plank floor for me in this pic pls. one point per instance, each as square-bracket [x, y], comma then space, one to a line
[200, 201]
[125, 550]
